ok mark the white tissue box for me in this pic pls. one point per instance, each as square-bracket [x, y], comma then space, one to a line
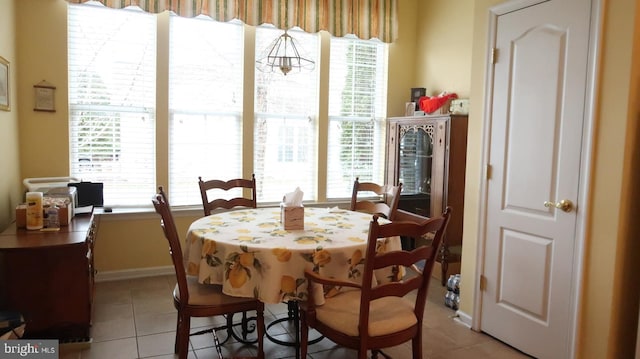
[292, 217]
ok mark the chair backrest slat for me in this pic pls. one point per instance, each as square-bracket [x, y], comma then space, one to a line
[396, 289]
[215, 184]
[403, 258]
[390, 196]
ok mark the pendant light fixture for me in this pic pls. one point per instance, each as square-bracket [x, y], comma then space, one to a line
[284, 54]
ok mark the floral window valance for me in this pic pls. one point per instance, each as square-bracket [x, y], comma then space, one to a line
[365, 19]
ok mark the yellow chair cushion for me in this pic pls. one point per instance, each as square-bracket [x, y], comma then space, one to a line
[386, 315]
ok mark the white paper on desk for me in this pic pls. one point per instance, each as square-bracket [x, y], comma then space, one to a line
[293, 199]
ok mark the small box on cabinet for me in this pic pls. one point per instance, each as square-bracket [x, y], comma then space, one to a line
[65, 208]
[21, 216]
[63, 213]
[292, 217]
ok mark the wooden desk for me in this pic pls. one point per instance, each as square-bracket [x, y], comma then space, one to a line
[49, 278]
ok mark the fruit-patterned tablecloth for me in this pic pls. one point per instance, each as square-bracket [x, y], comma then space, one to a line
[251, 255]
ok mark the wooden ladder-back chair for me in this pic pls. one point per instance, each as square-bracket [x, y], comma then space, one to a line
[442, 255]
[214, 184]
[390, 199]
[371, 317]
[209, 191]
[192, 299]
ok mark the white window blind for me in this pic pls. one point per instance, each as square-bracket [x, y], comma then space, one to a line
[205, 103]
[357, 111]
[285, 130]
[111, 59]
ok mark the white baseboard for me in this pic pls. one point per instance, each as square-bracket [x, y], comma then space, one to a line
[463, 318]
[133, 273]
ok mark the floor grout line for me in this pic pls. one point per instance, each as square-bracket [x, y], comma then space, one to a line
[439, 322]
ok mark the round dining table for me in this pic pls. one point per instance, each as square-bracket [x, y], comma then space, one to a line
[250, 253]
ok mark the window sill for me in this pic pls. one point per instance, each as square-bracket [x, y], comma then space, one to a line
[141, 213]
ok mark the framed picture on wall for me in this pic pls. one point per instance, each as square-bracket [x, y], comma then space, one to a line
[416, 93]
[4, 84]
[45, 100]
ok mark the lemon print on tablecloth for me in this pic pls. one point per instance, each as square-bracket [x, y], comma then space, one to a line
[208, 247]
[356, 258]
[239, 213]
[321, 257]
[344, 225]
[318, 258]
[282, 254]
[287, 284]
[246, 259]
[237, 267]
[289, 287]
[311, 240]
[321, 230]
[238, 276]
[268, 225]
[192, 268]
[216, 221]
[381, 246]
[356, 239]
[193, 237]
[246, 238]
[279, 233]
[247, 219]
[201, 233]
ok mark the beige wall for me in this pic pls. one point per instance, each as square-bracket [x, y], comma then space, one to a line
[42, 52]
[124, 244]
[403, 60]
[420, 58]
[10, 194]
[450, 57]
[607, 332]
[445, 37]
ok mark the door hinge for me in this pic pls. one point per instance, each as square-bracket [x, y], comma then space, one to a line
[494, 55]
[489, 170]
[483, 283]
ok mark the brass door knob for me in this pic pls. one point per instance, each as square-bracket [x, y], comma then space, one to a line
[565, 205]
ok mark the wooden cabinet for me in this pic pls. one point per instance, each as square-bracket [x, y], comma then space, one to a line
[49, 278]
[428, 155]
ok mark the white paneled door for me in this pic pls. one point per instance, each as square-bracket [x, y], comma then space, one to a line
[536, 133]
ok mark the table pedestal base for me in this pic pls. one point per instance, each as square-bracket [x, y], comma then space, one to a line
[292, 315]
[245, 329]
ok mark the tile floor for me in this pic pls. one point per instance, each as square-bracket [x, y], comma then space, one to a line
[136, 319]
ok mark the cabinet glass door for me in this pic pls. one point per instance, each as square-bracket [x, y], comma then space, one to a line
[415, 163]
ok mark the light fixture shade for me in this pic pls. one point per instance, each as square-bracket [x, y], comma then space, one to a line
[284, 54]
